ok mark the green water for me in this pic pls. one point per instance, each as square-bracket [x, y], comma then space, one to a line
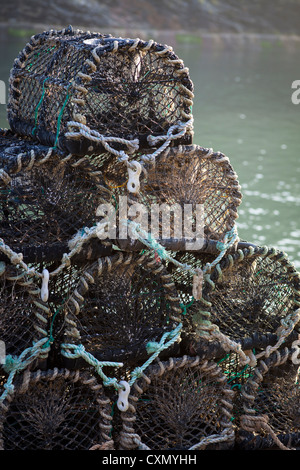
[243, 108]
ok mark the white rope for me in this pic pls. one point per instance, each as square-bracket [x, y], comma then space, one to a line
[85, 131]
[134, 167]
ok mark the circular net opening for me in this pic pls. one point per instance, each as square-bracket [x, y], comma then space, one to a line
[178, 405]
[122, 304]
[190, 192]
[57, 410]
[251, 292]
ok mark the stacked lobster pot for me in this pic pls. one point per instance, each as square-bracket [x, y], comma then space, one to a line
[131, 314]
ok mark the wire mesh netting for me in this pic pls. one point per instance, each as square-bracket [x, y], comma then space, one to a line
[189, 179]
[179, 404]
[55, 410]
[249, 294]
[21, 325]
[45, 201]
[111, 329]
[190, 192]
[270, 404]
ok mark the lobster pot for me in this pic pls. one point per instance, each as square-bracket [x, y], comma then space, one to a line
[79, 90]
[180, 404]
[270, 405]
[55, 410]
[122, 303]
[45, 201]
[191, 193]
[22, 322]
[251, 297]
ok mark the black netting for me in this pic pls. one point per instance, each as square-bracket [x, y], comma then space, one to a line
[200, 187]
[250, 293]
[178, 405]
[120, 305]
[55, 410]
[46, 202]
[270, 405]
[21, 325]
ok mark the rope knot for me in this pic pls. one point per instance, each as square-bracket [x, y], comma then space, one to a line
[152, 347]
[11, 363]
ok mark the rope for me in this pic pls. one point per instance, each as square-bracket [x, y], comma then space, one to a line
[156, 349]
[85, 131]
[230, 239]
[60, 116]
[79, 351]
[75, 246]
[287, 326]
[225, 436]
[16, 364]
[152, 347]
[153, 140]
[134, 168]
[257, 423]
[150, 242]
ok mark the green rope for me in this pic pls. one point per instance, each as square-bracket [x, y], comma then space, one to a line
[229, 239]
[60, 116]
[60, 113]
[39, 105]
[185, 307]
[152, 347]
[50, 337]
[79, 351]
[156, 349]
[151, 243]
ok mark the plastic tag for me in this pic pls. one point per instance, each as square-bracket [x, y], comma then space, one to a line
[122, 402]
[133, 184]
[44, 289]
